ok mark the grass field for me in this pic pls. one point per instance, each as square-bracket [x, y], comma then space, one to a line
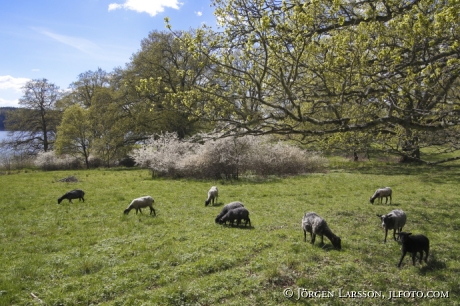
[91, 254]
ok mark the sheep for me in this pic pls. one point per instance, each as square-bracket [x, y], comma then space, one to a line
[141, 203]
[380, 193]
[414, 244]
[238, 214]
[213, 194]
[316, 225]
[226, 208]
[73, 194]
[394, 220]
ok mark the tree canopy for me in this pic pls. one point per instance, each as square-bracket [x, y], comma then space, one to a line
[333, 74]
[327, 71]
[36, 121]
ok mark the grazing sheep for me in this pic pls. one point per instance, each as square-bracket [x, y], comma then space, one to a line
[380, 193]
[141, 203]
[73, 194]
[213, 194]
[226, 208]
[414, 244]
[394, 220]
[238, 214]
[316, 225]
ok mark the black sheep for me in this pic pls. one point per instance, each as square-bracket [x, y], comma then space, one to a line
[237, 214]
[414, 244]
[226, 208]
[73, 194]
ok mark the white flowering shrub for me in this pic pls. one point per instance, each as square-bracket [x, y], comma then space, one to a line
[280, 158]
[49, 161]
[166, 155]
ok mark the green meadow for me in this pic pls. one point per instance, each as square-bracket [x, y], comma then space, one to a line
[89, 253]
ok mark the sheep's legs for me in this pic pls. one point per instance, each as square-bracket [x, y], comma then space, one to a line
[402, 257]
[414, 254]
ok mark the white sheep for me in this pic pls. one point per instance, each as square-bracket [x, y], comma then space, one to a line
[213, 194]
[381, 193]
[316, 225]
[141, 203]
[394, 220]
[414, 244]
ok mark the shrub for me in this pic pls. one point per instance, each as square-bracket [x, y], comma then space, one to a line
[167, 155]
[163, 154]
[15, 160]
[49, 161]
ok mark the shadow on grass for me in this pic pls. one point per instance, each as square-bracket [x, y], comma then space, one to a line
[386, 206]
[435, 174]
[243, 227]
[433, 264]
[219, 204]
[324, 246]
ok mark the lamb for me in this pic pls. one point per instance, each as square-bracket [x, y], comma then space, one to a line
[141, 203]
[316, 225]
[226, 208]
[213, 194]
[380, 193]
[414, 244]
[394, 220]
[238, 214]
[73, 194]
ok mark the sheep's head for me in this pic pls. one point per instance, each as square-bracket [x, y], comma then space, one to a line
[381, 217]
[388, 221]
[126, 211]
[403, 236]
[337, 242]
[59, 200]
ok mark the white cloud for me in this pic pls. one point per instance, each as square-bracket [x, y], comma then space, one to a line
[199, 14]
[151, 7]
[9, 82]
[9, 103]
[35, 70]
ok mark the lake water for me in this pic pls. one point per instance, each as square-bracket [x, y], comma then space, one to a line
[3, 135]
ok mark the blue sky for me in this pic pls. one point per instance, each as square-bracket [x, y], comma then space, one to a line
[59, 39]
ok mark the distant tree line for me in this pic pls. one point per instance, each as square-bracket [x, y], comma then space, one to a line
[332, 75]
[3, 114]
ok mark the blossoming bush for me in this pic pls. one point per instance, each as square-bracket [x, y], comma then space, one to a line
[49, 161]
[167, 155]
[164, 154]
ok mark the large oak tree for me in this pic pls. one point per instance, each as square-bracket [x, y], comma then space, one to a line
[329, 71]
